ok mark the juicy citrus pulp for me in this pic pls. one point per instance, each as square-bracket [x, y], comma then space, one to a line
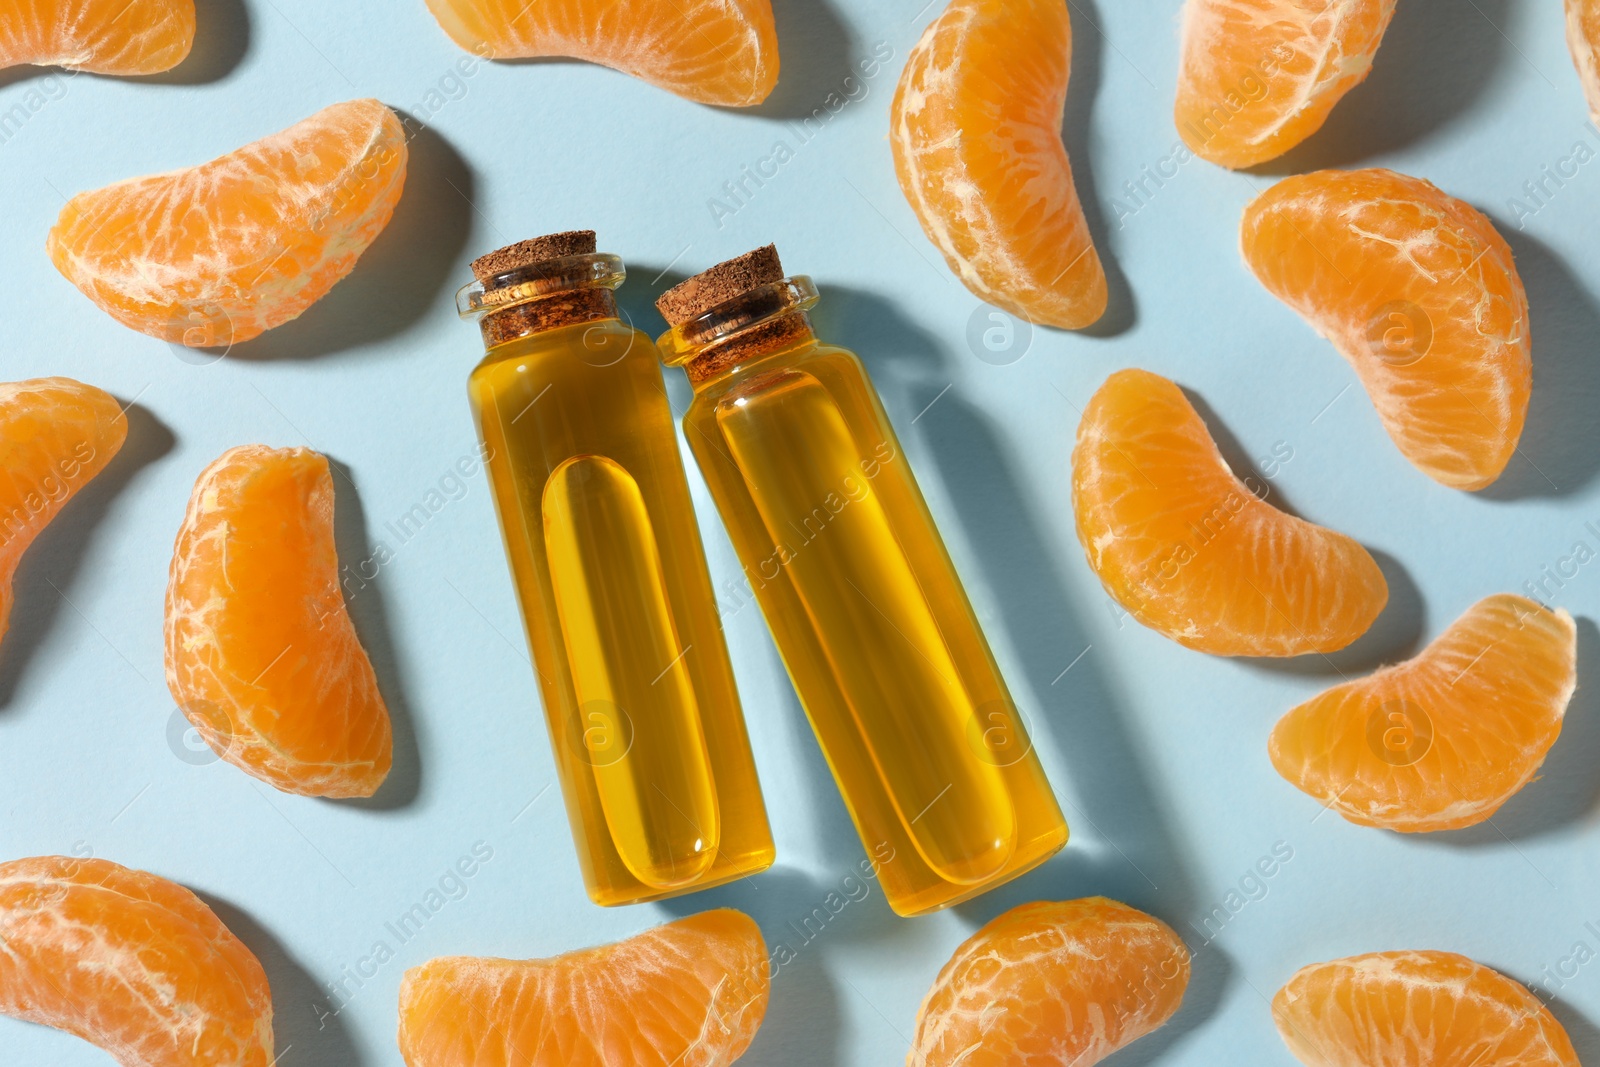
[691, 993]
[217, 254]
[102, 36]
[55, 435]
[1052, 983]
[1418, 291]
[1417, 1009]
[131, 962]
[976, 130]
[1196, 554]
[1260, 76]
[710, 51]
[1442, 740]
[261, 654]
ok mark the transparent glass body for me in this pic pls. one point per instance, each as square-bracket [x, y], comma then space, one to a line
[867, 610]
[649, 740]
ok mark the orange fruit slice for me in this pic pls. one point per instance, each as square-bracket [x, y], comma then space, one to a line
[976, 130]
[130, 962]
[1257, 77]
[1417, 1008]
[691, 993]
[709, 51]
[217, 254]
[1052, 983]
[261, 653]
[55, 435]
[1418, 291]
[1442, 740]
[102, 36]
[1196, 554]
[1583, 38]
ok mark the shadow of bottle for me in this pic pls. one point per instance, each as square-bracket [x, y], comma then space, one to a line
[53, 561]
[298, 1023]
[369, 612]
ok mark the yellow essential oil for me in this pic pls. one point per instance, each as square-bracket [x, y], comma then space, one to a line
[639, 696]
[866, 608]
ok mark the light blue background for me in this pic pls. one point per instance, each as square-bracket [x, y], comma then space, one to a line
[1158, 753]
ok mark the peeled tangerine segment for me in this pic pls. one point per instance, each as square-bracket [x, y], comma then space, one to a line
[1583, 38]
[1418, 291]
[1257, 77]
[101, 36]
[976, 130]
[1052, 983]
[55, 435]
[1440, 741]
[261, 654]
[219, 253]
[709, 51]
[1196, 554]
[1422, 1008]
[691, 993]
[131, 962]
[658, 796]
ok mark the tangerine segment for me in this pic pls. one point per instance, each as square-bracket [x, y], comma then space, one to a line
[976, 131]
[1440, 741]
[1416, 1009]
[691, 993]
[130, 962]
[1257, 77]
[1418, 291]
[709, 51]
[1196, 554]
[261, 653]
[1052, 983]
[217, 254]
[1583, 38]
[101, 36]
[55, 435]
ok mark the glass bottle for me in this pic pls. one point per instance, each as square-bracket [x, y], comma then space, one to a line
[869, 615]
[582, 457]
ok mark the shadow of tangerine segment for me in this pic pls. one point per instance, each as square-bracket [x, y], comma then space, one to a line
[858, 590]
[599, 528]
[131, 962]
[1440, 741]
[657, 793]
[1418, 291]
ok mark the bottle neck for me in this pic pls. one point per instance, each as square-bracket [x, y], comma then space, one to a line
[543, 296]
[569, 308]
[750, 327]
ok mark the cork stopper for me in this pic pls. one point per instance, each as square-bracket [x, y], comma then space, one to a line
[534, 250]
[721, 283]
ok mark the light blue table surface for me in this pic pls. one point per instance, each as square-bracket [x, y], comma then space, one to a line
[1158, 753]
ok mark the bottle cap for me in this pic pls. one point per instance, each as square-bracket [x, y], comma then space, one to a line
[722, 283]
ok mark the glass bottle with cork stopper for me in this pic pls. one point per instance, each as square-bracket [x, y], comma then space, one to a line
[867, 610]
[582, 458]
